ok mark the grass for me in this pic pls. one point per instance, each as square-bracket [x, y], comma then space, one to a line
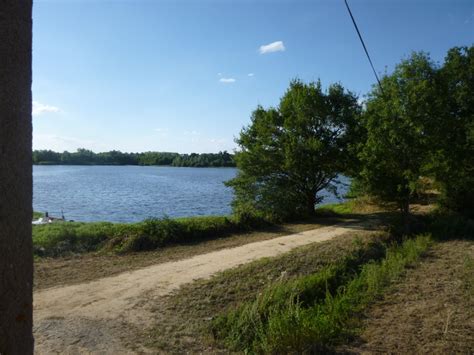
[63, 238]
[37, 215]
[359, 205]
[468, 276]
[73, 237]
[310, 313]
[183, 318]
[337, 208]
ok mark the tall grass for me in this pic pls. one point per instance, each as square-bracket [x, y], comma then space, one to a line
[72, 237]
[313, 312]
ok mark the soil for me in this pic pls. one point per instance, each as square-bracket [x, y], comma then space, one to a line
[431, 311]
[103, 315]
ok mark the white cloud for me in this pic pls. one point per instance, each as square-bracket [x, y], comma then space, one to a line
[277, 46]
[39, 108]
[227, 80]
[250, 74]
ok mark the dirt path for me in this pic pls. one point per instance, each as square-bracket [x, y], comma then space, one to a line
[431, 311]
[101, 316]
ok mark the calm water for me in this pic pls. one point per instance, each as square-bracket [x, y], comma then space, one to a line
[133, 193]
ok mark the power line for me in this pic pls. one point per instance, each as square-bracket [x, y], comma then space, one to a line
[365, 48]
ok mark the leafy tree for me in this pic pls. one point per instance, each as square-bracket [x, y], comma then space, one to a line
[398, 122]
[453, 158]
[290, 153]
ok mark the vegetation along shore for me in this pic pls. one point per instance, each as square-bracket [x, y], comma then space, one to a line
[115, 157]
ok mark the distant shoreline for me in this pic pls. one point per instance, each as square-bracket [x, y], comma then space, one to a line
[158, 165]
[115, 158]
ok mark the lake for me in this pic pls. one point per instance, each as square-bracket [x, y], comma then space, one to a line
[133, 193]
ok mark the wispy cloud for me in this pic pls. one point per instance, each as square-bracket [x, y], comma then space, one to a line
[250, 74]
[469, 19]
[60, 143]
[277, 46]
[39, 108]
[227, 80]
[191, 133]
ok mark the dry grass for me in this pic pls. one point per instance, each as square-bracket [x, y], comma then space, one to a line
[431, 311]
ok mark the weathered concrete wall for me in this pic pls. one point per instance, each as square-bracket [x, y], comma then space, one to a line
[16, 263]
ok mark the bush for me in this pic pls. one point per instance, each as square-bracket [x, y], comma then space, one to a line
[154, 233]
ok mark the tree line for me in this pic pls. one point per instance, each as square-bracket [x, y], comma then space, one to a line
[88, 157]
[417, 126]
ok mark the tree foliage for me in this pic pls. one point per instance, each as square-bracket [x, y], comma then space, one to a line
[422, 125]
[292, 152]
[398, 122]
[88, 157]
[453, 158]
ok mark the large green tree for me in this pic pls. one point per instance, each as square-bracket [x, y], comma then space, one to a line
[290, 153]
[453, 156]
[399, 121]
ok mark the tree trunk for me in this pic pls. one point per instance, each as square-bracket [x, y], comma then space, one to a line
[405, 208]
[16, 260]
[311, 204]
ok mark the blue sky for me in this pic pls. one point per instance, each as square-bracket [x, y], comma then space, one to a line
[184, 76]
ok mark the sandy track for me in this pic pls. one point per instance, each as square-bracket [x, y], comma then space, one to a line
[101, 316]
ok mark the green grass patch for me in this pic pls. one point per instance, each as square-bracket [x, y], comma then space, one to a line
[64, 238]
[353, 206]
[155, 233]
[310, 313]
[37, 215]
[346, 207]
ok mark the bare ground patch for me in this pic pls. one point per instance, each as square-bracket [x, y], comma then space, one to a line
[430, 311]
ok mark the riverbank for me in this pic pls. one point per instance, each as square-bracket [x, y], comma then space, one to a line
[62, 248]
[197, 316]
[71, 238]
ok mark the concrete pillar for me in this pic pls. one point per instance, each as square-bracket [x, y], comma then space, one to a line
[16, 260]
